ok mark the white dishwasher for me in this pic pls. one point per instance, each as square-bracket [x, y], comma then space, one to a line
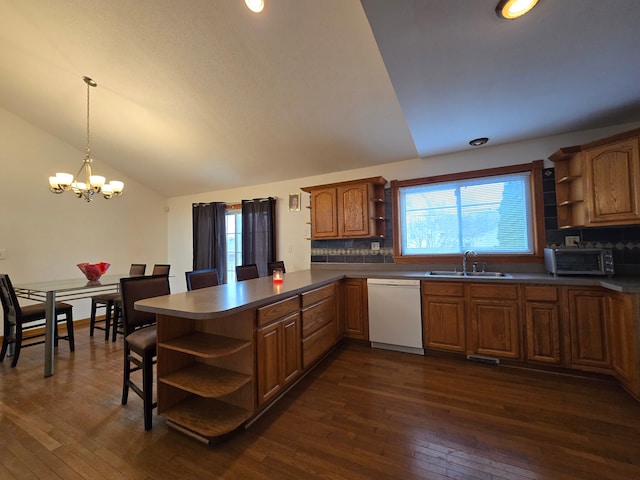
[395, 320]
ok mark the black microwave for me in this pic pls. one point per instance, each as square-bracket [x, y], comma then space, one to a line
[579, 261]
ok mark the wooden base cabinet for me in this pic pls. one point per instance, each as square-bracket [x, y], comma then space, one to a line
[495, 320]
[443, 316]
[356, 308]
[588, 329]
[622, 310]
[542, 324]
[278, 356]
[319, 323]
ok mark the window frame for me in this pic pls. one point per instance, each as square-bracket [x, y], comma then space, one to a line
[537, 214]
[234, 209]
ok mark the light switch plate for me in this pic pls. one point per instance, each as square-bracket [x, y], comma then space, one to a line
[3, 254]
[572, 240]
[375, 246]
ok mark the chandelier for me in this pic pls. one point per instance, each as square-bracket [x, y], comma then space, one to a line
[92, 184]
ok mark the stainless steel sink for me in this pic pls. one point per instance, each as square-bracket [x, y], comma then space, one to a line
[454, 273]
[445, 273]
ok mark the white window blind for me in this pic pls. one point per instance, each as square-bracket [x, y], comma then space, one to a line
[488, 215]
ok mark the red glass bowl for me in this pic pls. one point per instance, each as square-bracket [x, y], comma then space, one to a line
[93, 271]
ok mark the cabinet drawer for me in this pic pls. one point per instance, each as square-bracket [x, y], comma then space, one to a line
[541, 293]
[316, 345]
[277, 310]
[314, 296]
[494, 291]
[318, 315]
[444, 289]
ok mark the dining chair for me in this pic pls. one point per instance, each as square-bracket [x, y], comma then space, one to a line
[271, 266]
[246, 272]
[19, 319]
[108, 301]
[201, 278]
[160, 269]
[140, 338]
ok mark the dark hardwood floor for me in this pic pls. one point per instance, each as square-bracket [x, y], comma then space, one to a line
[362, 414]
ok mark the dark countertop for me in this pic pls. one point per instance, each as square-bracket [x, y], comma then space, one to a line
[622, 284]
[215, 302]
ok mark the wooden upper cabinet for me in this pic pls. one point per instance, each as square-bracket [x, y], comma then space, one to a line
[613, 183]
[353, 211]
[324, 213]
[598, 183]
[348, 209]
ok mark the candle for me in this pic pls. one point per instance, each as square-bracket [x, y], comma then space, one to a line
[277, 275]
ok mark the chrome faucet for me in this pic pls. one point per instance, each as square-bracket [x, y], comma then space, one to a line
[464, 260]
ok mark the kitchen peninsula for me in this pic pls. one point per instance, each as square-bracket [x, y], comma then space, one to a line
[225, 353]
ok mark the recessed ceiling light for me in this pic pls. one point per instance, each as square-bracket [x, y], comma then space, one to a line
[512, 9]
[255, 5]
[476, 142]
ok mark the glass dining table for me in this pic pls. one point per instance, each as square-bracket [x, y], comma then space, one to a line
[63, 290]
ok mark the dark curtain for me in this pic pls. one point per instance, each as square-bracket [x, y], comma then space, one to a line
[209, 238]
[259, 232]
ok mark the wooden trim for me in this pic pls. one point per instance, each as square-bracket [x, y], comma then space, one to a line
[454, 177]
[373, 180]
[565, 152]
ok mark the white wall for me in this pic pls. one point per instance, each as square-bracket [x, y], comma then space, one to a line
[293, 247]
[45, 235]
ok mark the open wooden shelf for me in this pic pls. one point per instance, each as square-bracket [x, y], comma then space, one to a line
[206, 345]
[206, 380]
[206, 417]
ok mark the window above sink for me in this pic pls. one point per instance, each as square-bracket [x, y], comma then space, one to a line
[497, 213]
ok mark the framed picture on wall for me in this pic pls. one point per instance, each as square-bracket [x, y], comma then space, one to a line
[294, 202]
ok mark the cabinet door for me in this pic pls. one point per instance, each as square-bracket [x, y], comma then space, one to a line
[589, 344]
[324, 213]
[613, 183]
[495, 320]
[624, 340]
[291, 344]
[543, 332]
[495, 328]
[356, 309]
[269, 360]
[353, 211]
[444, 323]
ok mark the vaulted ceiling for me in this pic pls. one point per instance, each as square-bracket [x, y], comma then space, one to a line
[205, 95]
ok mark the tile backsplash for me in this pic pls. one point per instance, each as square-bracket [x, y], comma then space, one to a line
[623, 240]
